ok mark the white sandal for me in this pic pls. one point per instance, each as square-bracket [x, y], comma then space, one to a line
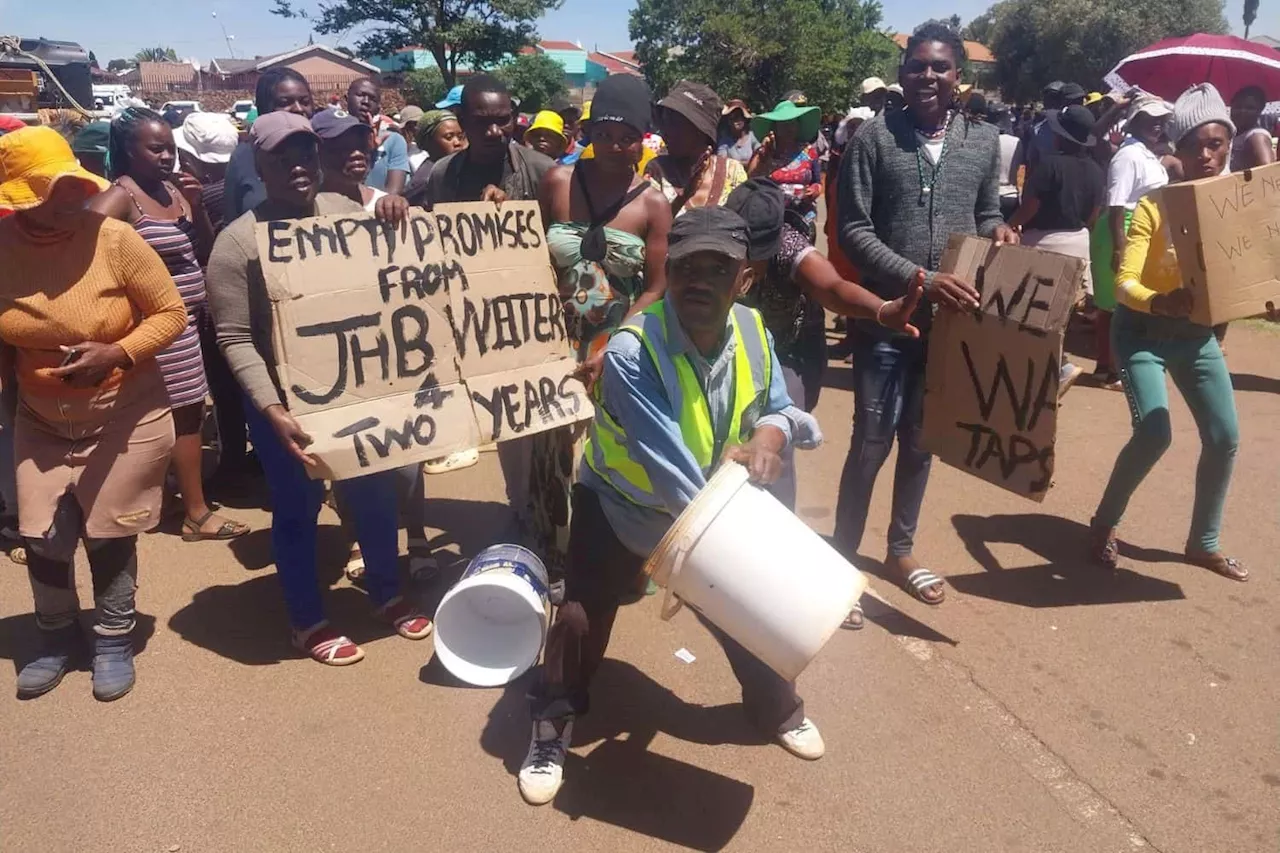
[920, 580]
[452, 462]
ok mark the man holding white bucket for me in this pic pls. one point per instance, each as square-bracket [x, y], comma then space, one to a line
[651, 448]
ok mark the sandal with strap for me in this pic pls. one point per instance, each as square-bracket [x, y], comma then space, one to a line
[423, 566]
[354, 569]
[325, 645]
[408, 621]
[921, 579]
[1104, 549]
[1217, 562]
[193, 529]
[855, 620]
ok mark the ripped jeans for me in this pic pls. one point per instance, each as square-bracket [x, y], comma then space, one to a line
[888, 398]
[113, 565]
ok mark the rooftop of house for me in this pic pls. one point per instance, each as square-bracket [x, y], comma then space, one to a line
[260, 63]
[560, 45]
[614, 64]
[975, 51]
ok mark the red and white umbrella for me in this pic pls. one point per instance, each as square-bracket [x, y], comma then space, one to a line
[1170, 67]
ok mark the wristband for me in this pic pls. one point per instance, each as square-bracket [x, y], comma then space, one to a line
[880, 311]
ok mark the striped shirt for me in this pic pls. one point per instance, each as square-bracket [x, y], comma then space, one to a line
[180, 363]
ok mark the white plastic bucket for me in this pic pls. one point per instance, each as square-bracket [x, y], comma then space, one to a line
[491, 625]
[761, 575]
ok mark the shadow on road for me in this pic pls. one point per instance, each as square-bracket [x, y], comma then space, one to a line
[20, 638]
[1253, 382]
[248, 623]
[470, 525]
[621, 782]
[886, 615]
[1067, 579]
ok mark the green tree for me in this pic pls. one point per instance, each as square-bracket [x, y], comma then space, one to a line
[120, 64]
[535, 79]
[1038, 41]
[423, 87]
[478, 33]
[93, 60]
[822, 47]
[1250, 15]
[156, 54]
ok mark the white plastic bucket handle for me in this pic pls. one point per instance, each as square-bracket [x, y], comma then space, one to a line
[671, 602]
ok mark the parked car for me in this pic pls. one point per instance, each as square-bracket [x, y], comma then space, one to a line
[108, 96]
[182, 107]
[240, 110]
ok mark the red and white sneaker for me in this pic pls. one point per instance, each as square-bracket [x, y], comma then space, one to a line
[325, 645]
[408, 621]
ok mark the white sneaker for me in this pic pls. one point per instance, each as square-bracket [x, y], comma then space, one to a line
[804, 741]
[542, 773]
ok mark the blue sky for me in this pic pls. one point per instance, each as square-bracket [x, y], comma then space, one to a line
[119, 28]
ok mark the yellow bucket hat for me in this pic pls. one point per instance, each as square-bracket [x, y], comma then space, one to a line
[32, 161]
[547, 120]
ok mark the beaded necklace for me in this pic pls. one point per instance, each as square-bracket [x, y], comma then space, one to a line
[935, 169]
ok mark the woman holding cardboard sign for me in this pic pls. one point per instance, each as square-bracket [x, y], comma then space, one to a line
[1152, 335]
[286, 155]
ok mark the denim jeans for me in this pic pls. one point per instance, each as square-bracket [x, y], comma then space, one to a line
[295, 508]
[1146, 348]
[113, 567]
[888, 396]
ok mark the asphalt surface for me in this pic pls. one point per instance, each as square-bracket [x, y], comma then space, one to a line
[1044, 707]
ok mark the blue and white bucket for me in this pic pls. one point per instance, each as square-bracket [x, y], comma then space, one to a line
[491, 625]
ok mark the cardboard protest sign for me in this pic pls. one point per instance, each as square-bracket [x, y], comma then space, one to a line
[399, 345]
[991, 384]
[1226, 234]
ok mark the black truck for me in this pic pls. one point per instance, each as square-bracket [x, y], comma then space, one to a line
[69, 63]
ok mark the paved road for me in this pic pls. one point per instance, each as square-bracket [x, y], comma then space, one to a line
[1044, 707]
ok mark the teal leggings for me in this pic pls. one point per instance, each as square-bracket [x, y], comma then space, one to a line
[1146, 347]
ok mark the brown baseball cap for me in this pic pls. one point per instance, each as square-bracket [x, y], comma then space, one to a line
[270, 131]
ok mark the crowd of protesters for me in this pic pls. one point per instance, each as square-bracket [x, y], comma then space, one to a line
[683, 237]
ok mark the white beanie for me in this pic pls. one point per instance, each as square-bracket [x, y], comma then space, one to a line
[1196, 107]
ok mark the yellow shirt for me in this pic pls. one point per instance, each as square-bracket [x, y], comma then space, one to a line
[1149, 265]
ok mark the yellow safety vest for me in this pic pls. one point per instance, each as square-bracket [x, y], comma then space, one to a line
[606, 446]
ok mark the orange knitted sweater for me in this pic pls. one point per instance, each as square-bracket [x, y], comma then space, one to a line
[99, 282]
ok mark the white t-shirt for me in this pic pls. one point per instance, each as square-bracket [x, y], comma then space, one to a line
[932, 147]
[373, 200]
[1010, 160]
[1134, 172]
[1241, 145]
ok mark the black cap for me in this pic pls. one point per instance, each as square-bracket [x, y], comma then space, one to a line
[706, 229]
[562, 105]
[330, 124]
[1054, 88]
[698, 103]
[1073, 93]
[762, 205]
[623, 98]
